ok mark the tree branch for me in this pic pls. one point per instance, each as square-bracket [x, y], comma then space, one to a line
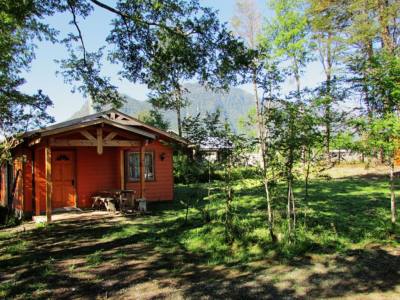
[126, 17]
[78, 29]
[109, 8]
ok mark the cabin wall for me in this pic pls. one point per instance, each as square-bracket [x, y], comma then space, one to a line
[161, 188]
[27, 183]
[95, 173]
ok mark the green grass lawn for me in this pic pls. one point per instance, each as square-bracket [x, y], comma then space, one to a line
[344, 248]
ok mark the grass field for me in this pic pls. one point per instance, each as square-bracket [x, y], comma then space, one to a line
[344, 249]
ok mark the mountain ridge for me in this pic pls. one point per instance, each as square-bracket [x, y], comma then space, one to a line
[232, 104]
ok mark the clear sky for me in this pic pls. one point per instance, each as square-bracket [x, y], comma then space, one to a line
[95, 29]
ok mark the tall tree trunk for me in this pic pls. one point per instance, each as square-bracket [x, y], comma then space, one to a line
[328, 116]
[326, 58]
[392, 195]
[289, 209]
[293, 209]
[368, 50]
[179, 120]
[307, 175]
[297, 78]
[178, 107]
[263, 146]
[229, 198]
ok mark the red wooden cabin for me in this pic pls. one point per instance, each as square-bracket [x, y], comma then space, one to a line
[63, 165]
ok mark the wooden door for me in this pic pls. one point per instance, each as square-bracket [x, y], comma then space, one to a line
[63, 177]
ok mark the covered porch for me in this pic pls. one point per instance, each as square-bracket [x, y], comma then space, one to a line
[79, 162]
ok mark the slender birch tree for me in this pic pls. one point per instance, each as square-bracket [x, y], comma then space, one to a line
[247, 24]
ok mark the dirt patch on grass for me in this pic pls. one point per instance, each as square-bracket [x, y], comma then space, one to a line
[360, 171]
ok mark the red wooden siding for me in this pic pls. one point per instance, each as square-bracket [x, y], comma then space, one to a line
[95, 172]
[27, 180]
[162, 187]
[3, 181]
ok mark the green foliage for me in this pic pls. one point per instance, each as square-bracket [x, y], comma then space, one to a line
[188, 170]
[381, 76]
[198, 129]
[84, 74]
[19, 26]
[380, 134]
[188, 43]
[288, 34]
[343, 140]
[154, 118]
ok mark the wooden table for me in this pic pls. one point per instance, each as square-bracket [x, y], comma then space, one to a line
[121, 197]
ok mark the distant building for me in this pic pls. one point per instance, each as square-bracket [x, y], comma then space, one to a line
[214, 147]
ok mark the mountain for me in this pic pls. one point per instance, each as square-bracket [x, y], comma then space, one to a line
[233, 104]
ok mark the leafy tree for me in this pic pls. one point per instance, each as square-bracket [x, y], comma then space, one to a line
[231, 157]
[191, 44]
[264, 75]
[327, 22]
[19, 112]
[293, 131]
[154, 118]
[383, 135]
[289, 33]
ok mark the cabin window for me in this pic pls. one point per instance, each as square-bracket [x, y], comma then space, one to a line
[149, 166]
[133, 166]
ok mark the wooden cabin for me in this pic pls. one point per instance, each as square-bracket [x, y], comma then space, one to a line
[63, 165]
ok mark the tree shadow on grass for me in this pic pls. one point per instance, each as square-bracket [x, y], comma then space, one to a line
[91, 258]
[43, 269]
[143, 257]
[355, 272]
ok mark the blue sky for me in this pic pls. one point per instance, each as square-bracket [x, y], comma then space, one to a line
[42, 74]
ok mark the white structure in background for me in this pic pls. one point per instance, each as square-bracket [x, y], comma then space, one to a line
[213, 146]
[344, 155]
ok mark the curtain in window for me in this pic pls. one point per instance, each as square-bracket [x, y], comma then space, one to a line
[148, 166]
[133, 166]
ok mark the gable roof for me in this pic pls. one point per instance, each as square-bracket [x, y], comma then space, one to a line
[110, 117]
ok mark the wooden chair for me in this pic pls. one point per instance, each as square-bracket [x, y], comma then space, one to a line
[128, 201]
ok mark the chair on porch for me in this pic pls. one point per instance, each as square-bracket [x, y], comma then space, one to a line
[127, 200]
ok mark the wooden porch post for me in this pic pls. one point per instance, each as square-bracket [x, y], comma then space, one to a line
[49, 184]
[122, 168]
[99, 141]
[142, 179]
